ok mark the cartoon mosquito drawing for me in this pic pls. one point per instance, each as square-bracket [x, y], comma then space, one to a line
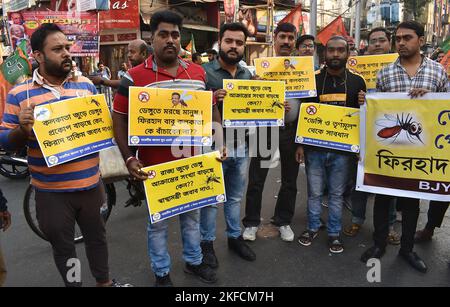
[212, 178]
[95, 102]
[413, 129]
[351, 114]
[41, 114]
[277, 104]
[178, 99]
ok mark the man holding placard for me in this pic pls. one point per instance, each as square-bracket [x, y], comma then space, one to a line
[379, 44]
[417, 75]
[65, 193]
[232, 40]
[284, 44]
[164, 69]
[336, 86]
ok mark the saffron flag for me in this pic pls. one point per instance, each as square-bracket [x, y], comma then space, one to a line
[446, 62]
[191, 46]
[336, 27]
[296, 18]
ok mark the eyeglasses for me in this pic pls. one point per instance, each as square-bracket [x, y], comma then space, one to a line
[304, 46]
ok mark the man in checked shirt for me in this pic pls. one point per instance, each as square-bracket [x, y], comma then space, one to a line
[417, 75]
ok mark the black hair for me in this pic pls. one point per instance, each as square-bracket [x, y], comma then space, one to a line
[233, 26]
[195, 56]
[211, 51]
[285, 27]
[412, 25]
[40, 35]
[143, 48]
[165, 16]
[338, 38]
[380, 29]
[175, 93]
[302, 38]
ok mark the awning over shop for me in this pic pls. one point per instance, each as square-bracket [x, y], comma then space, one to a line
[200, 27]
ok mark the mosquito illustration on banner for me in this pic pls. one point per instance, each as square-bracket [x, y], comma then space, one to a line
[413, 129]
[277, 104]
[212, 178]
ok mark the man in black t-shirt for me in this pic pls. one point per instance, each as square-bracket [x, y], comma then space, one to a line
[338, 86]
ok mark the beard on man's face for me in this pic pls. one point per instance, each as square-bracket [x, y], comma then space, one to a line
[58, 70]
[230, 60]
[336, 63]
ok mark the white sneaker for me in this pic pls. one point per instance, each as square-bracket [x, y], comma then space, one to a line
[286, 233]
[250, 233]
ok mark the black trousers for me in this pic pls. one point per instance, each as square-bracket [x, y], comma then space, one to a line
[436, 213]
[410, 213]
[57, 214]
[285, 205]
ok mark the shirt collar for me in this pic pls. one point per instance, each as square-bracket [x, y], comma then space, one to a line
[216, 66]
[40, 80]
[424, 63]
[150, 63]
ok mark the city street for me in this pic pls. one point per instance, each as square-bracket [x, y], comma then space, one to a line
[30, 263]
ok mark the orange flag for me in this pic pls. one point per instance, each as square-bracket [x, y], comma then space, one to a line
[446, 62]
[336, 27]
[296, 18]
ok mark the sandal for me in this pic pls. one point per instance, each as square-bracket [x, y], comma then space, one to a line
[335, 244]
[352, 230]
[307, 237]
[394, 238]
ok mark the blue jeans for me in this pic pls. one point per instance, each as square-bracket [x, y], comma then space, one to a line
[235, 172]
[157, 242]
[359, 203]
[329, 168]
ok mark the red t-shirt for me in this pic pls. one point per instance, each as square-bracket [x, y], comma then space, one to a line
[189, 76]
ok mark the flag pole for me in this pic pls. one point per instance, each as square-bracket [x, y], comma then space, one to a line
[358, 24]
[313, 18]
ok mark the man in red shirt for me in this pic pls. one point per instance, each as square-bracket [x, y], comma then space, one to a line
[164, 69]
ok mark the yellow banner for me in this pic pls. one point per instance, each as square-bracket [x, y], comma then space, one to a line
[73, 128]
[406, 146]
[180, 186]
[369, 65]
[297, 72]
[165, 117]
[251, 103]
[328, 126]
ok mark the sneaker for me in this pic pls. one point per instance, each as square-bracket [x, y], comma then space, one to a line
[394, 238]
[286, 233]
[116, 284]
[202, 271]
[209, 256]
[241, 248]
[307, 237]
[352, 230]
[250, 233]
[163, 281]
[335, 244]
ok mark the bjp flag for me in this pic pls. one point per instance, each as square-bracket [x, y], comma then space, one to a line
[336, 27]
